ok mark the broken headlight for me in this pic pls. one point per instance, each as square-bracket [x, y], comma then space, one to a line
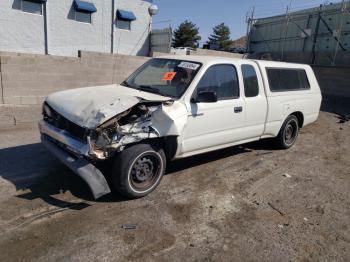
[47, 110]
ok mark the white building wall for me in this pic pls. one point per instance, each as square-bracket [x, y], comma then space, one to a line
[19, 31]
[136, 40]
[24, 32]
[67, 36]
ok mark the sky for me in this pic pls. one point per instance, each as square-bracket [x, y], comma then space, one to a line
[208, 13]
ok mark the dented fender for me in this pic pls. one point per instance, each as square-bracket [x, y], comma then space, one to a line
[153, 120]
[170, 120]
[115, 116]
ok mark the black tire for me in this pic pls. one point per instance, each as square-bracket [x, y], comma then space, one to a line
[138, 170]
[288, 133]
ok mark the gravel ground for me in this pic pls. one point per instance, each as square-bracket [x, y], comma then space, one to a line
[247, 203]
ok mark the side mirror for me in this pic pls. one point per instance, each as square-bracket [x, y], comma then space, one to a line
[206, 97]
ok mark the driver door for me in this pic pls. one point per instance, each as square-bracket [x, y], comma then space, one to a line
[214, 124]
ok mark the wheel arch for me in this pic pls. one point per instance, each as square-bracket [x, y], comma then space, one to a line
[300, 116]
[168, 144]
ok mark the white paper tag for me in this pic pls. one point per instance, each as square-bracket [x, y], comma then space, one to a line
[189, 65]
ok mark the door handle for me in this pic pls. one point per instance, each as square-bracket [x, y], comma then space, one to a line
[238, 109]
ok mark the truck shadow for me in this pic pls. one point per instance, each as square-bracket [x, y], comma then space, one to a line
[186, 163]
[34, 170]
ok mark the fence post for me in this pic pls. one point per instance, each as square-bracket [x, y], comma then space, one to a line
[316, 36]
[343, 10]
[249, 21]
[286, 29]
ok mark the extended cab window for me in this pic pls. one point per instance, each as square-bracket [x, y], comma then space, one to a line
[251, 85]
[221, 79]
[287, 79]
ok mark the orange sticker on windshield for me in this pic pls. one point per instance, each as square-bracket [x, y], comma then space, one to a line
[168, 76]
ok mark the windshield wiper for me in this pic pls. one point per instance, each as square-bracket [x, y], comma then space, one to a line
[144, 88]
[149, 89]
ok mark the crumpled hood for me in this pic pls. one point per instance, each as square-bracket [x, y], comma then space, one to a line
[92, 106]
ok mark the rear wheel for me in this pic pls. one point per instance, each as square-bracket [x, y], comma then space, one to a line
[137, 170]
[288, 133]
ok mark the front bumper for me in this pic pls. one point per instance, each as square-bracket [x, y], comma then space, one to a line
[61, 136]
[72, 153]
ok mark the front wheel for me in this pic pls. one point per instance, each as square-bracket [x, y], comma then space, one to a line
[137, 170]
[288, 133]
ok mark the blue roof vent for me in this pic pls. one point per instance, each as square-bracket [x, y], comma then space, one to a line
[125, 15]
[84, 6]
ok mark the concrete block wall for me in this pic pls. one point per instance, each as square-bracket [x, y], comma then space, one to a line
[11, 115]
[159, 54]
[207, 52]
[1, 89]
[28, 79]
[201, 52]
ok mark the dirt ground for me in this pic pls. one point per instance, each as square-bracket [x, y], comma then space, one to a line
[246, 203]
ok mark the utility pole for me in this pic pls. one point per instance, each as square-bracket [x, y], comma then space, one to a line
[112, 27]
[46, 31]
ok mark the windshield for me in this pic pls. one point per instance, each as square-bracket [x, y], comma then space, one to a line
[167, 77]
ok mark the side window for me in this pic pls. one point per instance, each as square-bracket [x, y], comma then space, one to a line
[251, 85]
[124, 19]
[82, 16]
[32, 6]
[221, 79]
[83, 11]
[287, 79]
[126, 25]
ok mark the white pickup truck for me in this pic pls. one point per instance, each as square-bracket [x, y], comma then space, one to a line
[174, 107]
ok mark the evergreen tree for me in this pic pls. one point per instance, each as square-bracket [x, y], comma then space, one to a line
[220, 36]
[186, 35]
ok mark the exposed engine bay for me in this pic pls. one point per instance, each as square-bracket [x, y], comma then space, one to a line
[145, 120]
[131, 126]
[97, 123]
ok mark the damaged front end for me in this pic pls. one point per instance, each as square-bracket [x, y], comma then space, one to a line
[104, 141]
[80, 147]
[129, 127]
[79, 140]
